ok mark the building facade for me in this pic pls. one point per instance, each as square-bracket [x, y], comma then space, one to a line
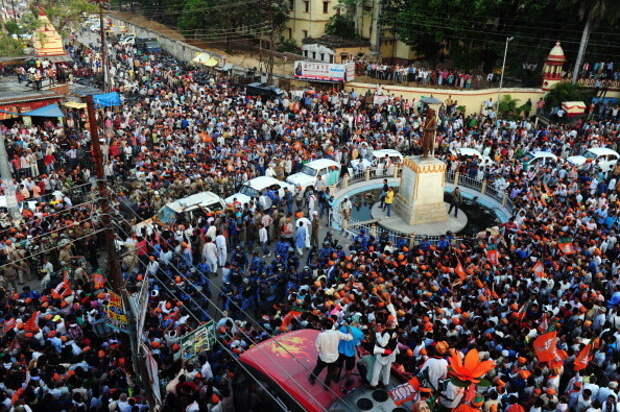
[308, 18]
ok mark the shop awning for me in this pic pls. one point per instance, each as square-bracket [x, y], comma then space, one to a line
[205, 59]
[51, 110]
[74, 105]
[107, 99]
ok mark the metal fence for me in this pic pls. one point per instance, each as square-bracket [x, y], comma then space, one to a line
[355, 227]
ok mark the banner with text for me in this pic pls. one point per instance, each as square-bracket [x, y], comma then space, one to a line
[324, 71]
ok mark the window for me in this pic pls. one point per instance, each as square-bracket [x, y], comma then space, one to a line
[305, 33]
[314, 55]
[322, 57]
[290, 33]
[331, 58]
[306, 6]
[325, 7]
[292, 4]
[305, 53]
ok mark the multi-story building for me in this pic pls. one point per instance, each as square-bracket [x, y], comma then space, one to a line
[308, 18]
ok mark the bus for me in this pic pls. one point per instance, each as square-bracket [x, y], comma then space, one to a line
[283, 365]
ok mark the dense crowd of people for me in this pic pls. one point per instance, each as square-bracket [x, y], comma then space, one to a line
[553, 266]
[425, 76]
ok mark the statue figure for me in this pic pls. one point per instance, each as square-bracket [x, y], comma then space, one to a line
[428, 139]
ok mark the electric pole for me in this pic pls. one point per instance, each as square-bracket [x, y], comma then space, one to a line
[104, 64]
[5, 173]
[14, 12]
[114, 269]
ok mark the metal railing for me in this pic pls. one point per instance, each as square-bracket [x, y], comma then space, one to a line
[355, 227]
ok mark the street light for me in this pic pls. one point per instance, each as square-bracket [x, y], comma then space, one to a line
[501, 79]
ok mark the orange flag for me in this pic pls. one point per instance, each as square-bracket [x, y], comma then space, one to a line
[31, 324]
[460, 272]
[539, 269]
[545, 346]
[583, 358]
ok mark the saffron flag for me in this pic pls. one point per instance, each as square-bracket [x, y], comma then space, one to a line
[460, 272]
[31, 324]
[539, 269]
[493, 256]
[583, 358]
[566, 246]
[545, 346]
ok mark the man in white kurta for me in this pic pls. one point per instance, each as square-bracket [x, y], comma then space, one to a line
[222, 251]
[209, 253]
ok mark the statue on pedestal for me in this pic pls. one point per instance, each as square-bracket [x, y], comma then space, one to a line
[428, 138]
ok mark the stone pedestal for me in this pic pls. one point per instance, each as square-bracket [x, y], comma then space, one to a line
[420, 196]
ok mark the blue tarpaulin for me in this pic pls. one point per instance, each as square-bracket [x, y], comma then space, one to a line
[51, 110]
[107, 99]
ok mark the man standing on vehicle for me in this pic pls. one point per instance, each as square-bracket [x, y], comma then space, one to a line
[327, 347]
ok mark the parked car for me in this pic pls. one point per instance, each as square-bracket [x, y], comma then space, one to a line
[604, 158]
[127, 40]
[483, 160]
[264, 90]
[186, 209]
[147, 45]
[254, 188]
[306, 179]
[376, 159]
[538, 158]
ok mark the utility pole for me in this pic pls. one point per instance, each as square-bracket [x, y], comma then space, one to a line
[14, 12]
[104, 64]
[375, 36]
[114, 269]
[5, 172]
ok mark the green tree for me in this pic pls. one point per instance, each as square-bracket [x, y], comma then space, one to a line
[508, 107]
[10, 46]
[595, 13]
[566, 92]
[192, 16]
[342, 26]
[67, 14]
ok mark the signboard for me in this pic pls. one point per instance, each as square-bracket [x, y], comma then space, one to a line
[139, 302]
[115, 311]
[196, 342]
[402, 393]
[324, 71]
[152, 370]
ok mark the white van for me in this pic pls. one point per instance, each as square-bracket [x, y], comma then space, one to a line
[189, 207]
[604, 158]
[254, 188]
[328, 169]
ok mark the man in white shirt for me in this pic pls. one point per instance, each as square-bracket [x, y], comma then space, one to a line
[327, 347]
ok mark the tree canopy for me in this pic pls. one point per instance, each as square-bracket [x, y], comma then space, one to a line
[472, 33]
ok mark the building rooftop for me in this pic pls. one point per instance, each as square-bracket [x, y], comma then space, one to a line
[13, 91]
[336, 42]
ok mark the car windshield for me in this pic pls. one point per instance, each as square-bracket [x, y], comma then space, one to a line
[308, 171]
[166, 215]
[215, 207]
[249, 191]
[528, 157]
[590, 155]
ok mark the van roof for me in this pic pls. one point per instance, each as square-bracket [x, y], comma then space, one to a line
[321, 163]
[261, 182]
[600, 151]
[193, 201]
